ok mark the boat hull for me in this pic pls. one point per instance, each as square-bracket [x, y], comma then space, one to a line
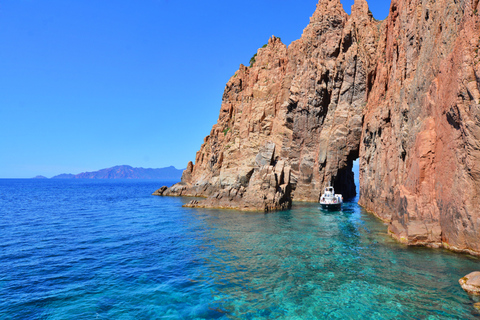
[331, 206]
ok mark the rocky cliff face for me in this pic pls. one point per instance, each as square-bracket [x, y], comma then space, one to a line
[401, 94]
[298, 109]
[420, 147]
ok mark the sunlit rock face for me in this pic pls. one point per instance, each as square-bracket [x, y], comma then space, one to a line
[420, 146]
[400, 94]
[306, 101]
[471, 283]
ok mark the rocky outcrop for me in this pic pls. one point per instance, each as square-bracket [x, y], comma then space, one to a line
[160, 191]
[267, 189]
[420, 147]
[266, 186]
[471, 283]
[403, 95]
[307, 101]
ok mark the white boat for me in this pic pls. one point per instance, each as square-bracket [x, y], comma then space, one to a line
[331, 201]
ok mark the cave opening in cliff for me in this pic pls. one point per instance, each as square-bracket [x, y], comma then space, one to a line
[344, 182]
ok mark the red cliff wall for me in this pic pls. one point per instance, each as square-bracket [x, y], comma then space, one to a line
[420, 148]
[301, 107]
[401, 94]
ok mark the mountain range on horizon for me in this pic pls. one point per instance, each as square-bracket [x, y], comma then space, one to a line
[125, 172]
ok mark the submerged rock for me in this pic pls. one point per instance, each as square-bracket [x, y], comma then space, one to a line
[471, 284]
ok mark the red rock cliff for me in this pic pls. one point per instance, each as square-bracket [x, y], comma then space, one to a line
[291, 123]
[401, 94]
[420, 147]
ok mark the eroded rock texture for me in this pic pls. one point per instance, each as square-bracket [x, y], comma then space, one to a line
[401, 94]
[471, 283]
[305, 102]
[420, 148]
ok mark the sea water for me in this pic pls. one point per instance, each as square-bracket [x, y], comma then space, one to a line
[107, 249]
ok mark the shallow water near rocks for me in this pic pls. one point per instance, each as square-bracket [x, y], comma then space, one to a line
[106, 249]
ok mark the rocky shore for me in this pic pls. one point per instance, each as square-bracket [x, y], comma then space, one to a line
[402, 95]
[471, 283]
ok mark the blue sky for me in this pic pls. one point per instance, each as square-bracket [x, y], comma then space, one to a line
[90, 84]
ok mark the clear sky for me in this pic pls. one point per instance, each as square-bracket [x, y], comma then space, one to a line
[89, 84]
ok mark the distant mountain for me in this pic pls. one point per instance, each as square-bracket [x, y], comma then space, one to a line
[126, 172]
[64, 176]
[39, 177]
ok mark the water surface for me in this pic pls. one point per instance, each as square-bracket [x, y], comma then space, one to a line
[106, 249]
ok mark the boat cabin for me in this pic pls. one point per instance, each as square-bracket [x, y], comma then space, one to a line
[329, 192]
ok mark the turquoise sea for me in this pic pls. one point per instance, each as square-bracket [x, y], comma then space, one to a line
[107, 249]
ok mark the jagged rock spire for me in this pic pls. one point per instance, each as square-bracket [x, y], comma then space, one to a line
[360, 7]
[327, 7]
[402, 95]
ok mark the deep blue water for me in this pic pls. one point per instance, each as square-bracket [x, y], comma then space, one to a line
[106, 249]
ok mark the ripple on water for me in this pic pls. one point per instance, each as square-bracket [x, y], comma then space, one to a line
[109, 250]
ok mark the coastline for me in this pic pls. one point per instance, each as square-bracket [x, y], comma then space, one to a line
[403, 240]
